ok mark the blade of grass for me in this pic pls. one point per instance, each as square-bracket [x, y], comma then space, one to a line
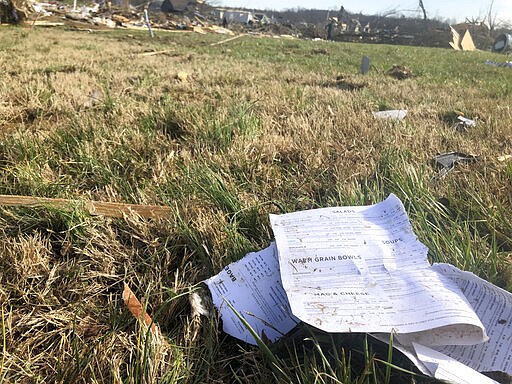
[266, 350]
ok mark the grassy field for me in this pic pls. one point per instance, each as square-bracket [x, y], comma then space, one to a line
[223, 135]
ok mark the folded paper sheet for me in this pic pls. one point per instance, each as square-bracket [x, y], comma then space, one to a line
[253, 287]
[362, 269]
[493, 306]
[443, 367]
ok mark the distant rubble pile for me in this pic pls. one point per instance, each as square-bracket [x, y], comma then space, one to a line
[176, 15]
[197, 16]
[14, 11]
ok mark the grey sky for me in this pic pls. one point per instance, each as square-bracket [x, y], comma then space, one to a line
[453, 9]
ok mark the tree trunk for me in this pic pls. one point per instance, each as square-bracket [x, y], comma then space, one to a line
[423, 10]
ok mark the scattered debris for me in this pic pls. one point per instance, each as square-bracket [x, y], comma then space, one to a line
[320, 51]
[120, 20]
[365, 65]
[393, 114]
[200, 17]
[78, 16]
[463, 124]
[44, 23]
[507, 64]
[467, 122]
[221, 30]
[229, 16]
[448, 160]
[181, 77]
[400, 72]
[94, 99]
[103, 21]
[154, 53]
[137, 310]
[170, 6]
[40, 10]
[455, 43]
[451, 334]
[467, 43]
[116, 210]
[109, 16]
[504, 158]
[227, 40]
[464, 44]
[349, 83]
[13, 12]
[480, 33]
[503, 43]
[134, 79]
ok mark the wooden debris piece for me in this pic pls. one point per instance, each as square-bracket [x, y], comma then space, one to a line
[117, 210]
[136, 308]
[153, 53]
[120, 19]
[221, 30]
[227, 40]
[45, 23]
[455, 43]
[467, 43]
[199, 29]
[400, 72]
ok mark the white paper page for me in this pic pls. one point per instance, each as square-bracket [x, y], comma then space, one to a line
[362, 269]
[435, 364]
[253, 287]
[443, 367]
[408, 352]
[494, 307]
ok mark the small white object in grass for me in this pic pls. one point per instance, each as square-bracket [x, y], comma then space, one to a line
[394, 114]
[467, 122]
[196, 302]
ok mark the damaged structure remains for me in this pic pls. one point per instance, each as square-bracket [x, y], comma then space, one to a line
[199, 16]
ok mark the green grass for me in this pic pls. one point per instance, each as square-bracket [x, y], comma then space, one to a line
[261, 126]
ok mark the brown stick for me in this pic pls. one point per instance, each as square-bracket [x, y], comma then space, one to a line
[225, 41]
[117, 210]
[136, 309]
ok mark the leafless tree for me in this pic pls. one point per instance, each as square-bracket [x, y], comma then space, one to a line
[389, 12]
[423, 10]
[491, 17]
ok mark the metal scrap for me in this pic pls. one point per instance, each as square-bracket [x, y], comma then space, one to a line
[365, 65]
[447, 161]
[503, 43]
